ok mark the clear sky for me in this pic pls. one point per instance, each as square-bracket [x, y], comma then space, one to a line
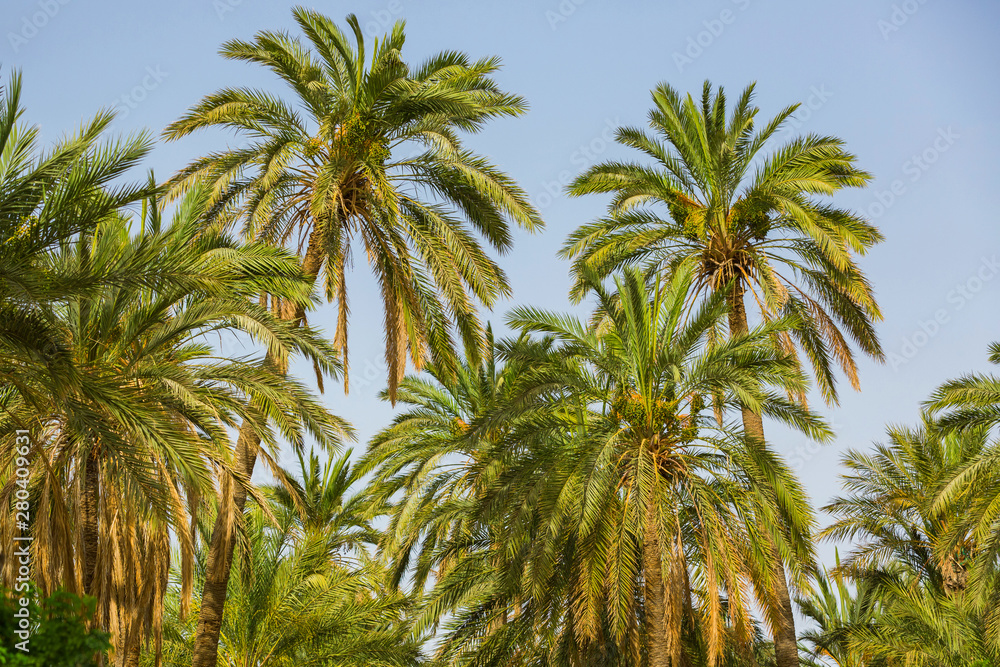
[911, 86]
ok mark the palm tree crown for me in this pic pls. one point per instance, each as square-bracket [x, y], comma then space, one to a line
[126, 452]
[613, 494]
[369, 154]
[751, 223]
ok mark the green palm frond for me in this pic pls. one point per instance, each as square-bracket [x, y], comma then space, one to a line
[754, 224]
[364, 157]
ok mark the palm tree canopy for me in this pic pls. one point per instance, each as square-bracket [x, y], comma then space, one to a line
[839, 614]
[648, 382]
[47, 199]
[320, 501]
[426, 464]
[290, 604]
[891, 511]
[124, 453]
[604, 424]
[367, 156]
[754, 222]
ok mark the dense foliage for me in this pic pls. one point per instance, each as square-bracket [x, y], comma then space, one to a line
[61, 632]
[580, 492]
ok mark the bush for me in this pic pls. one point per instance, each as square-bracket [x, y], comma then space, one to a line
[60, 633]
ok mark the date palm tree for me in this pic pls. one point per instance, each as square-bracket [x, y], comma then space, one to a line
[123, 456]
[919, 511]
[839, 614]
[621, 501]
[48, 198]
[654, 488]
[290, 605]
[430, 462]
[967, 408]
[431, 469]
[755, 226]
[365, 156]
[368, 153]
[891, 512]
[323, 499]
[921, 627]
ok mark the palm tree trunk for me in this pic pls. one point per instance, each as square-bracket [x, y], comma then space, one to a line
[954, 574]
[786, 650]
[131, 658]
[220, 552]
[90, 511]
[234, 497]
[652, 566]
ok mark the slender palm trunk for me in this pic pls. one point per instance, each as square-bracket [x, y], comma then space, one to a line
[220, 552]
[232, 501]
[652, 566]
[91, 530]
[90, 511]
[786, 650]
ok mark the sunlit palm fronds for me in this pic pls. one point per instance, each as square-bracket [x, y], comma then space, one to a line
[290, 605]
[365, 155]
[755, 224]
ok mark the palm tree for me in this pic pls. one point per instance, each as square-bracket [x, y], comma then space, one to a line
[661, 487]
[839, 615]
[627, 497]
[891, 511]
[367, 156]
[430, 462]
[320, 504]
[921, 627]
[763, 234]
[289, 604]
[354, 161]
[431, 468]
[47, 199]
[967, 408]
[124, 455]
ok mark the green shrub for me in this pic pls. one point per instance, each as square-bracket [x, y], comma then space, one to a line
[59, 632]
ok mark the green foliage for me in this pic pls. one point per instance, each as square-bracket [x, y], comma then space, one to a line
[364, 157]
[756, 223]
[150, 402]
[61, 634]
[838, 613]
[593, 464]
[919, 512]
[293, 602]
[47, 199]
[579, 495]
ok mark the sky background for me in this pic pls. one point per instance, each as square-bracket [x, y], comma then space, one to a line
[910, 86]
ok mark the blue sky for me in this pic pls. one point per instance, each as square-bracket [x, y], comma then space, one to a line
[910, 86]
